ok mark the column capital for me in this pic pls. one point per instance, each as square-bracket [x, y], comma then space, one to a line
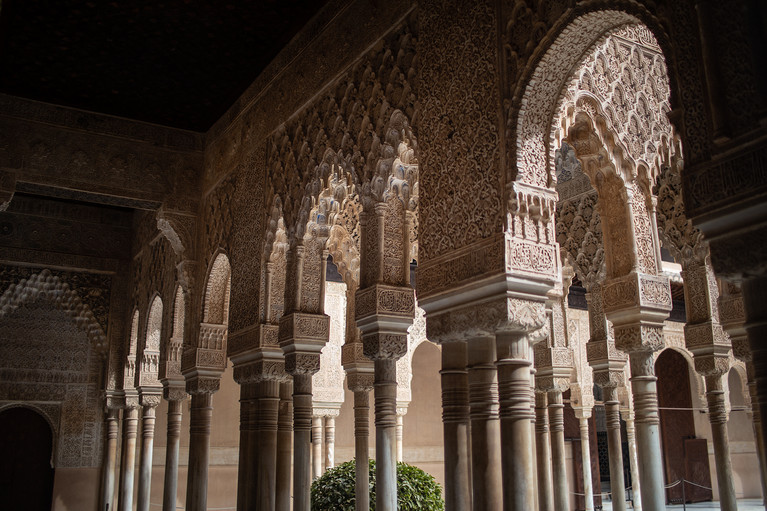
[259, 370]
[358, 381]
[174, 392]
[150, 400]
[255, 337]
[200, 384]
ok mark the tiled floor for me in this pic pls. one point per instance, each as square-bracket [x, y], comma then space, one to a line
[743, 505]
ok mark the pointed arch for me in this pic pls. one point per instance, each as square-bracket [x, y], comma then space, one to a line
[217, 288]
[154, 325]
[45, 285]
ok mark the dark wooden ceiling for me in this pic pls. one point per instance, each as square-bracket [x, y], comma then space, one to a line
[178, 63]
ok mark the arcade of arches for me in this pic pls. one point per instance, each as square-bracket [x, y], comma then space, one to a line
[519, 244]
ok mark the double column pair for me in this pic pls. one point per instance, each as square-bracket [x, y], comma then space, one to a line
[487, 410]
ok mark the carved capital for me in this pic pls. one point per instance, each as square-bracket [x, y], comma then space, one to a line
[199, 384]
[152, 400]
[384, 346]
[260, 370]
[304, 330]
[360, 381]
[174, 392]
[297, 363]
[639, 339]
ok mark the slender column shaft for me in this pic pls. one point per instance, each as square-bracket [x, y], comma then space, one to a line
[244, 465]
[128, 461]
[316, 447]
[717, 415]
[199, 451]
[615, 448]
[361, 440]
[284, 446]
[386, 423]
[757, 425]
[455, 420]
[636, 486]
[644, 390]
[513, 362]
[588, 490]
[110, 456]
[558, 462]
[543, 454]
[755, 302]
[487, 489]
[268, 412]
[171, 456]
[302, 448]
[145, 466]
[400, 428]
[330, 441]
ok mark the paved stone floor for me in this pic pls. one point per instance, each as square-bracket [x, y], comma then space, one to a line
[743, 505]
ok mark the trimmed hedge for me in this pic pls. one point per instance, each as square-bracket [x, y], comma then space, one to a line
[416, 490]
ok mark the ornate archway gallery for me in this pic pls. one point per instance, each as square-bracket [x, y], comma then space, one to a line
[517, 244]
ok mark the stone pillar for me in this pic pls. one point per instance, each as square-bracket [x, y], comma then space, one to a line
[543, 453]
[455, 420]
[316, 447]
[732, 317]
[644, 389]
[486, 463]
[401, 411]
[149, 405]
[284, 446]
[588, 489]
[361, 384]
[710, 346]
[128, 454]
[330, 441]
[514, 354]
[608, 364]
[266, 445]
[383, 316]
[718, 417]
[170, 488]
[246, 476]
[111, 427]
[636, 484]
[302, 429]
[558, 461]
[199, 448]
[615, 446]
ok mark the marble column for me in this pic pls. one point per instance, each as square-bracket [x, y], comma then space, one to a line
[284, 446]
[644, 389]
[128, 455]
[710, 346]
[718, 416]
[149, 408]
[514, 354]
[401, 411]
[455, 423]
[543, 453]
[266, 457]
[609, 365]
[330, 442]
[615, 446]
[385, 389]
[170, 488]
[199, 450]
[316, 447]
[361, 383]
[558, 460]
[245, 466]
[486, 461]
[636, 484]
[302, 431]
[588, 489]
[111, 427]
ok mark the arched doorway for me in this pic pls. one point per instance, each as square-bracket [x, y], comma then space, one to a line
[684, 455]
[26, 472]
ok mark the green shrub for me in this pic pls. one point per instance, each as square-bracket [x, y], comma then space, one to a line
[416, 490]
